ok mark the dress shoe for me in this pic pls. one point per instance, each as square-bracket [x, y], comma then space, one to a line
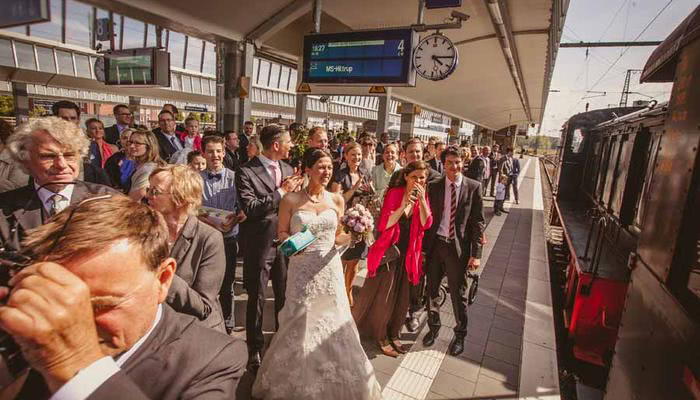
[457, 346]
[429, 338]
[517, 201]
[498, 213]
[254, 362]
[398, 346]
[387, 348]
[412, 323]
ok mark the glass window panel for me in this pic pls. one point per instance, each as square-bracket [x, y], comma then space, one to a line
[78, 23]
[46, 61]
[196, 85]
[263, 73]
[274, 75]
[256, 65]
[133, 34]
[176, 47]
[212, 85]
[205, 87]
[6, 57]
[17, 29]
[151, 38]
[50, 30]
[284, 78]
[65, 62]
[186, 84]
[82, 66]
[25, 55]
[293, 81]
[175, 82]
[209, 59]
[194, 54]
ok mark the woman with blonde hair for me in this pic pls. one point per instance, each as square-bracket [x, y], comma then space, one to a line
[144, 151]
[176, 192]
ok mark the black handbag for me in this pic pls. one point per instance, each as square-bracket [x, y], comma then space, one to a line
[471, 296]
[356, 252]
[391, 254]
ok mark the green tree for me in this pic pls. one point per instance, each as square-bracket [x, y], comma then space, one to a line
[38, 111]
[7, 107]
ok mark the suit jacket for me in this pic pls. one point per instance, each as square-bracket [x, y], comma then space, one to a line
[435, 164]
[165, 147]
[510, 166]
[201, 263]
[93, 174]
[469, 222]
[243, 148]
[232, 160]
[21, 209]
[112, 135]
[180, 359]
[259, 200]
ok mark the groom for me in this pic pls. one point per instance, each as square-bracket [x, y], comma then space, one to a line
[261, 184]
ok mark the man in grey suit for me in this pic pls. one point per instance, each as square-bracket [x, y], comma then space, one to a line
[261, 184]
[50, 150]
[88, 313]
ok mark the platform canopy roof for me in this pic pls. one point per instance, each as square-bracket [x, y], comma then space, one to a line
[507, 47]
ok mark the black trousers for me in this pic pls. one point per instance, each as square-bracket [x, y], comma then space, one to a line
[512, 182]
[273, 267]
[492, 181]
[416, 296]
[444, 261]
[226, 291]
[484, 186]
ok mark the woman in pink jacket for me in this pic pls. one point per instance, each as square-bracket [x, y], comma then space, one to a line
[380, 309]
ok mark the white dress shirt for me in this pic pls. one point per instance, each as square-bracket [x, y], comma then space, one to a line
[444, 228]
[86, 381]
[46, 197]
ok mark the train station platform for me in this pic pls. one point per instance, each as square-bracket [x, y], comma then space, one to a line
[510, 348]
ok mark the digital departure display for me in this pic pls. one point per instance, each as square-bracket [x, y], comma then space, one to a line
[360, 58]
[138, 67]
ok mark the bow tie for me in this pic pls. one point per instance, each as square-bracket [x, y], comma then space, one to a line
[215, 177]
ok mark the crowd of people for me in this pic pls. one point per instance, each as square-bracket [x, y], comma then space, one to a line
[131, 238]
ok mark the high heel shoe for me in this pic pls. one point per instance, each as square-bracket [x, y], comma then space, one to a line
[387, 348]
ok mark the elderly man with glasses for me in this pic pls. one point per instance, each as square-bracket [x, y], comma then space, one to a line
[51, 151]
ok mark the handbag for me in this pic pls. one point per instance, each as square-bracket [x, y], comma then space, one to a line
[391, 254]
[297, 242]
[471, 296]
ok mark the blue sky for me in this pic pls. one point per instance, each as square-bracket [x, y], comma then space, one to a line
[607, 20]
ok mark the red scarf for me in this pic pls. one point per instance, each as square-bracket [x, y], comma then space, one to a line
[390, 236]
[106, 152]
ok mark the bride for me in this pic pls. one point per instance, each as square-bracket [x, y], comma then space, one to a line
[316, 352]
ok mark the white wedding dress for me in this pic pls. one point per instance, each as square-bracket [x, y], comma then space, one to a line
[316, 353]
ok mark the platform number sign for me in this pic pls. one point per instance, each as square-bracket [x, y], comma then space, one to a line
[102, 29]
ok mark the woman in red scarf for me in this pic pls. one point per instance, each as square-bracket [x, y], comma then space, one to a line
[380, 309]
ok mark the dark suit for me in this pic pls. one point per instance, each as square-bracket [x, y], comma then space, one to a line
[259, 200]
[232, 160]
[21, 209]
[180, 359]
[243, 148]
[199, 253]
[93, 174]
[112, 135]
[435, 164]
[451, 257]
[165, 146]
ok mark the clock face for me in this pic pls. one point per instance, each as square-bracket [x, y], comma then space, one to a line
[100, 69]
[435, 58]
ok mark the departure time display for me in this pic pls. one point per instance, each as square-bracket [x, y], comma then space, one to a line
[360, 58]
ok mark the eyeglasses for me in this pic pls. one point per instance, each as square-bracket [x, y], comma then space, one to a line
[153, 191]
[53, 157]
[130, 142]
[125, 114]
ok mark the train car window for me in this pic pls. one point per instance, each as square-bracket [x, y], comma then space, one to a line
[626, 145]
[653, 151]
[603, 172]
[576, 141]
[592, 165]
[612, 167]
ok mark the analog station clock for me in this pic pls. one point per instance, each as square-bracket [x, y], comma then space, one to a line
[435, 57]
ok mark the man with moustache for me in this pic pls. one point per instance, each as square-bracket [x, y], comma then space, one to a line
[452, 244]
[261, 184]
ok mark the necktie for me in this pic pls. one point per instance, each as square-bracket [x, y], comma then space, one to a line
[173, 140]
[215, 177]
[275, 175]
[56, 204]
[453, 209]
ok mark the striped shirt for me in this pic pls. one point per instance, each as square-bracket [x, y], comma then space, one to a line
[220, 193]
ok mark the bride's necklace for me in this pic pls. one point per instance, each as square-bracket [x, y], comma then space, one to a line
[311, 198]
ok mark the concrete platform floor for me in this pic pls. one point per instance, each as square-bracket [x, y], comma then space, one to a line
[510, 349]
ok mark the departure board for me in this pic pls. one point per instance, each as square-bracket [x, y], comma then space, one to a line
[360, 58]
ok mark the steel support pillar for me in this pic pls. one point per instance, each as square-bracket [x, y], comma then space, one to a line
[302, 114]
[234, 67]
[408, 120]
[20, 102]
[383, 112]
[135, 108]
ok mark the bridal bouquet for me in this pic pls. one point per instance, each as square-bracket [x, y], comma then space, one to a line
[358, 221]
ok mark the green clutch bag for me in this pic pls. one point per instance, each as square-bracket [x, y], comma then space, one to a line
[297, 242]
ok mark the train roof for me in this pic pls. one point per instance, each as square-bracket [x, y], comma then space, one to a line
[651, 110]
[661, 65]
[595, 117]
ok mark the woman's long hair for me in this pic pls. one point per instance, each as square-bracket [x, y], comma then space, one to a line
[413, 166]
[152, 148]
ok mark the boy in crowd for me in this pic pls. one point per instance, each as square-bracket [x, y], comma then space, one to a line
[500, 195]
